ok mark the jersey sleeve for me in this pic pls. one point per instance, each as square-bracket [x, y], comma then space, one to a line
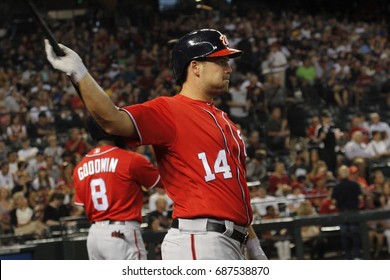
[144, 172]
[154, 123]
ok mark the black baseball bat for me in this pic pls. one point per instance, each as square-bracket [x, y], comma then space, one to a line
[49, 35]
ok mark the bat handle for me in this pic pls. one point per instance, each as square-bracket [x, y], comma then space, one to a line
[56, 48]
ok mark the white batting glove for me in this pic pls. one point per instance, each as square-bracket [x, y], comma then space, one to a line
[254, 250]
[71, 63]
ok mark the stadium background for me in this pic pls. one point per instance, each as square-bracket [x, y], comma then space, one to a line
[69, 19]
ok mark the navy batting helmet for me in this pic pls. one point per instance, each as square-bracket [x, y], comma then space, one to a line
[199, 44]
[97, 133]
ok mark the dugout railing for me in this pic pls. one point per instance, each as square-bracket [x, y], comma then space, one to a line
[69, 243]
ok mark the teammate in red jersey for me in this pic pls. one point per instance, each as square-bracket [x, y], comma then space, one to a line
[108, 184]
[200, 152]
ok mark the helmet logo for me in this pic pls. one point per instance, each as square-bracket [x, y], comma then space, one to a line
[224, 40]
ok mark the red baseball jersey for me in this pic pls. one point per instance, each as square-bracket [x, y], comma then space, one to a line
[108, 183]
[200, 155]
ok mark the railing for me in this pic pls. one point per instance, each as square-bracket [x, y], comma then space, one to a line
[295, 224]
[71, 240]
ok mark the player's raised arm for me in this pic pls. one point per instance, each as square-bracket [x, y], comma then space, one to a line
[98, 103]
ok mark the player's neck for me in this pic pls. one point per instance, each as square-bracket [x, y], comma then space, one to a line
[105, 142]
[195, 93]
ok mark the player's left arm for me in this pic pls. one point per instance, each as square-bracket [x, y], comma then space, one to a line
[253, 247]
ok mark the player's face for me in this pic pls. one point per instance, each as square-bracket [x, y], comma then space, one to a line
[215, 75]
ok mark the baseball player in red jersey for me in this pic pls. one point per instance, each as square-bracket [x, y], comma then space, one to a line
[108, 184]
[200, 152]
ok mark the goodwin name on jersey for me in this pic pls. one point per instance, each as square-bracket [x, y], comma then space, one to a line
[99, 165]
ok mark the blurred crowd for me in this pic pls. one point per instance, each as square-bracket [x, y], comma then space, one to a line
[310, 93]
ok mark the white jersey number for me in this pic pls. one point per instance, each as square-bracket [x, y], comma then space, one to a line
[220, 166]
[98, 193]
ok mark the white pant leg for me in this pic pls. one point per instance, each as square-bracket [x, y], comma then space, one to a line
[207, 245]
[287, 249]
[387, 234]
[101, 245]
[283, 249]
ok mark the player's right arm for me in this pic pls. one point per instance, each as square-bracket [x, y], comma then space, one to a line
[106, 114]
[98, 103]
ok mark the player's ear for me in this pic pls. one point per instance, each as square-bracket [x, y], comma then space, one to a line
[194, 67]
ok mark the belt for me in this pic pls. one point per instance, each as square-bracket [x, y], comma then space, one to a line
[236, 235]
[111, 222]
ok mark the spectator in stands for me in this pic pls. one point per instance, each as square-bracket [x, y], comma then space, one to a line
[348, 196]
[318, 170]
[311, 132]
[161, 213]
[22, 170]
[375, 189]
[43, 180]
[6, 206]
[65, 119]
[356, 148]
[3, 150]
[22, 218]
[314, 159]
[239, 104]
[327, 135]
[377, 125]
[296, 115]
[259, 102]
[55, 210]
[260, 199]
[377, 148]
[306, 74]
[253, 143]
[320, 188]
[40, 130]
[385, 204]
[27, 152]
[6, 178]
[375, 229]
[294, 199]
[23, 184]
[298, 167]
[357, 124]
[14, 101]
[328, 206]
[16, 131]
[277, 64]
[256, 168]
[279, 238]
[277, 132]
[156, 195]
[77, 142]
[274, 93]
[13, 161]
[65, 182]
[278, 180]
[54, 149]
[355, 176]
[291, 80]
[53, 168]
[311, 235]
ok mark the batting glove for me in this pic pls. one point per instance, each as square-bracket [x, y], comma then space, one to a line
[254, 250]
[71, 63]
